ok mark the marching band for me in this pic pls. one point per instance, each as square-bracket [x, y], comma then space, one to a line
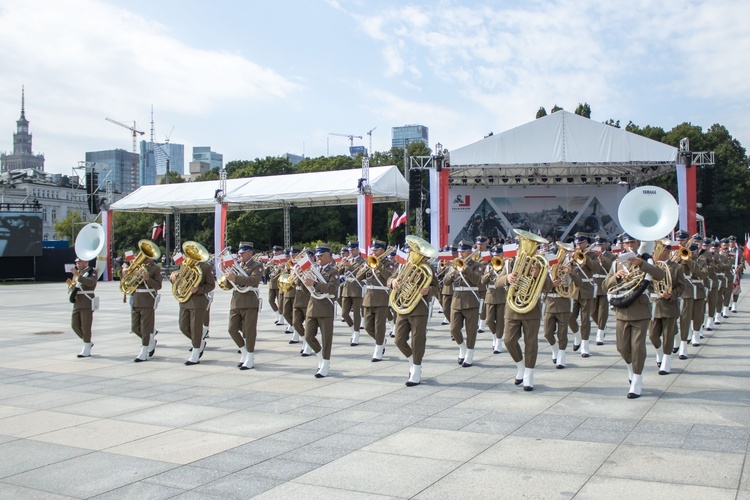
[669, 291]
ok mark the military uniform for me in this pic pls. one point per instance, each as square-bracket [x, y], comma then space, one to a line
[243, 309]
[299, 313]
[600, 309]
[143, 309]
[693, 296]
[320, 311]
[495, 302]
[465, 304]
[275, 271]
[287, 307]
[556, 316]
[351, 293]
[193, 312]
[84, 306]
[666, 311]
[583, 301]
[633, 322]
[715, 284]
[375, 300]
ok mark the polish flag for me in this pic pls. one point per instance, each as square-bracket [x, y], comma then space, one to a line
[486, 256]
[129, 255]
[446, 255]
[510, 250]
[616, 249]
[157, 231]
[597, 249]
[279, 259]
[395, 222]
[264, 259]
[227, 260]
[178, 258]
[303, 263]
[746, 251]
[551, 258]
[401, 256]
[337, 258]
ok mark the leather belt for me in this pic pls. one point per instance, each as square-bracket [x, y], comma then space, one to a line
[602, 276]
[465, 288]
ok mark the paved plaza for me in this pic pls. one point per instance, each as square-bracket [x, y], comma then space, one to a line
[106, 427]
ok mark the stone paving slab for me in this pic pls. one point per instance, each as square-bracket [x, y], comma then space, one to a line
[108, 428]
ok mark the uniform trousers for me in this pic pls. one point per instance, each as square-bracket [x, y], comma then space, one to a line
[352, 304]
[482, 310]
[191, 325]
[298, 319]
[273, 295]
[513, 330]
[142, 321]
[726, 295]
[326, 335]
[244, 320]
[662, 331]
[631, 342]
[496, 319]
[81, 322]
[417, 326]
[447, 300]
[691, 317]
[287, 309]
[712, 300]
[582, 308]
[600, 311]
[556, 325]
[375, 321]
[468, 318]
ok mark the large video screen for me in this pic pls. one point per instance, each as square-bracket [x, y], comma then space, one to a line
[20, 234]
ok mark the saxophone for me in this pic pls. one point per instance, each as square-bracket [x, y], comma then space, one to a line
[413, 276]
[190, 274]
[523, 294]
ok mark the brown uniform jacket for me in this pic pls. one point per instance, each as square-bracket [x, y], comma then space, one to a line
[495, 294]
[351, 287]
[145, 295]
[536, 311]
[87, 280]
[641, 308]
[323, 307]
[586, 273]
[470, 277]
[248, 300]
[670, 308]
[374, 296]
[198, 300]
[556, 304]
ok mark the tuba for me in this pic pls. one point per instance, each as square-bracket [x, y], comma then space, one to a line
[647, 213]
[190, 274]
[130, 281]
[523, 294]
[566, 288]
[91, 243]
[413, 276]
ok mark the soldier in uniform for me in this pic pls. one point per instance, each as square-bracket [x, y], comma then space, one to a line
[320, 309]
[694, 295]
[194, 310]
[275, 271]
[481, 245]
[725, 265]
[143, 309]
[414, 323]
[446, 291]
[375, 301]
[583, 301]
[495, 302]
[663, 326]
[705, 261]
[243, 310]
[526, 324]
[557, 314]
[738, 269]
[633, 319]
[84, 303]
[600, 310]
[287, 307]
[465, 303]
[351, 294]
[301, 301]
[714, 286]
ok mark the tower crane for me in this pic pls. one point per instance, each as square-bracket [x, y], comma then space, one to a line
[134, 169]
[369, 132]
[350, 136]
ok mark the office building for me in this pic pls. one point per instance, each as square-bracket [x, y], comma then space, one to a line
[408, 134]
[22, 156]
[204, 154]
[115, 166]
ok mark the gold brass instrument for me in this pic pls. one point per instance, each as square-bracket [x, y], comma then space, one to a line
[566, 288]
[190, 273]
[665, 285]
[459, 264]
[413, 276]
[682, 254]
[497, 263]
[524, 293]
[236, 269]
[580, 256]
[632, 282]
[374, 262]
[287, 279]
[136, 273]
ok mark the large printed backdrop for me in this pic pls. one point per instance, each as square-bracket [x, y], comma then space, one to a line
[554, 212]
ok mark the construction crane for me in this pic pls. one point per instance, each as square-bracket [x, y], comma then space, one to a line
[350, 136]
[369, 132]
[134, 169]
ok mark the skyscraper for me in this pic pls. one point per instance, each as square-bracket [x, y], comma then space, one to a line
[204, 154]
[22, 156]
[115, 166]
[153, 161]
[408, 134]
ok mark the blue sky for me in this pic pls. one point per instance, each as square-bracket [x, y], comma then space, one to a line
[261, 78]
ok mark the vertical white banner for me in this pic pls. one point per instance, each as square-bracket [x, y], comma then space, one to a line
[434, 208]
[220, 230]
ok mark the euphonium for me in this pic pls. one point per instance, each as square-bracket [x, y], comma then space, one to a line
[136, 273]
[524, 293]
[413, 276]
[190, 274]
[566, 288]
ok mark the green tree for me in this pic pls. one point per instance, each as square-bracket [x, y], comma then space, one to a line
[69, 227]
[556, 108]
[583, 110]
[174, 178]
[541, 112]
[612, 123]
[130, 227]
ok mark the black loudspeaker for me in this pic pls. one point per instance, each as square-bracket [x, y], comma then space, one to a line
[415, 187]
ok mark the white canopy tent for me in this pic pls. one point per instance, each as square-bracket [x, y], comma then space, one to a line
[336, 187]
[561, 148]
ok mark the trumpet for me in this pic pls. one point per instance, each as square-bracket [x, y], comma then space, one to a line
[683, 253]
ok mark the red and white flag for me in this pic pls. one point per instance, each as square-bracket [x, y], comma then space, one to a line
[264, 258]
[397, 221]
[279, 259]
[551, 258]
[157, 231]
[445, 255]
[746, 251]
[337, 258]
[178, 258]
[510, 250]
[304, 263]
[486, 256]
[129, 255]
[227, 260]
[597, 249]
[401, 256]
[616, 249]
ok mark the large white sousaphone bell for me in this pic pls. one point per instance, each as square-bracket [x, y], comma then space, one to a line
[91, 243]
[648, 213]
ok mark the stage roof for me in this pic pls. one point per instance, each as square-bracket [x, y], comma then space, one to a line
[561, 148]
[336, 187]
